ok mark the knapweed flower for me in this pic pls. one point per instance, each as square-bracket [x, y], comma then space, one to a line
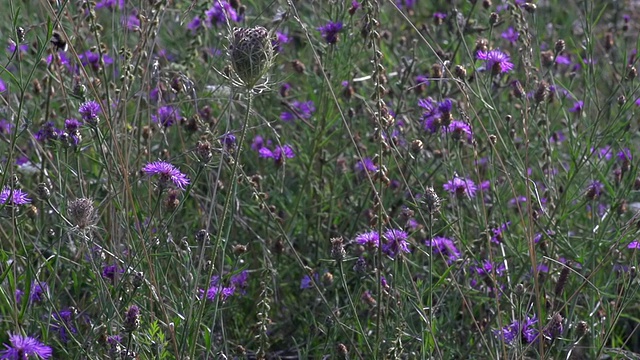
[48, 132]
[89, 112]
[577, 107]
[94, 59]
[487, 268]
[167, 173]
[370, 239]
[167, 116]
[330, 31]
[220, 12]
[62, 323]
[365, 164]
[278, 154]
[460, 130]
[444, 246]
[496, 61]
[5, 126]
[132, 319]
[459, 187]
[524, 330]
[110, 4]
[635, 244]
[21, 347]
[594, 190]
[303, 109]
[497, 232]
[10, 196]
[510, 35]
[279, 41]
[395, 242]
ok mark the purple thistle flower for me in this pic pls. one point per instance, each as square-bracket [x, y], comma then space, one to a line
[407, 4]
[110, 272]
[444, 246]
[459, 186]
[258, 143]
[62, 323]
[167, 116]
[240, 279]
[510, 35]
[89, 112]
[302, 109]
[3, 86]
[5, 126]
[365, 164]
[194, 25]
[110, 4]
[488, 268]
[90, 58]
[497, 233]
[220, 12]
[460, 130]
[594, 190]
[72, 125]
[577, 107]
[228, 140]
[21, 347]
[167, 172]
[634, 245]
[131, 22]
[48, 132]
[395, 242]
[624, 155]
[370, 239]
[14, 197]
[132, 319]
[330, 31]
[524, 330]
[307, 283]
[280, 40]
[497, 61]
[439, 16]
[278, 154]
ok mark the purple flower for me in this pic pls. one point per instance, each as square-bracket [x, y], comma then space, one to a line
[563, 60]
[407, 4]
[110, 4]
[21, 347]
[62, 323]
[3, 86]
[510, 35]
[422, 80]
[240, 279]
[369, 239]
[131, 22]
[330, 31]
[497, 233]
[167, 172]
[167, 116]
[460, 187]
[258, 143]
[497, 61]
[439, 16]
[12, 47]
[487, 268]
[524, 330]
[444, 246]
[460, 130]
[280, 40]
[302, 109]
[48, 132]
[594, 190]
[624, 155]
[577, 107]
[307, 283]
[90, 58]
[110, 272]
[220, 12]
[5, 127]
[72, 125]
[634, 245]
[278, 154]
[194, 25]
[228, 140]
[89, 112]
[395, 242]
[365, 164]
[14, 197]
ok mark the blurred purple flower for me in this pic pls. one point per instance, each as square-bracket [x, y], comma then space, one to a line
[167, 116]
[228, 140]
[278, 154]
[12, 47]
[307, 283]
[563, 60]
[365, 164]
[330, 31]
[5, 127]
[510, 35]
[594, 190]
[280, 40]
[635, 244]
[487, 268]
[497, 61]
[497, 233]
[48, 132]
[110, 4]
[15, 197]
[131, 22]
[3, 86]
[444, 246]
[72, 125]
[220, 12]
[303, 109]
[167, 173]
[577, 107]
[624, 155]
[460, 130]
[21, 347]
[194, 25]
[459, 186]
[258, 143]
[439, 16]
[407, 4]
[93, 59]
[110, 272]
[62, 323]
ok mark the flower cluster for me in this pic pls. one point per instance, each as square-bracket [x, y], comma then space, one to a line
[237, 284]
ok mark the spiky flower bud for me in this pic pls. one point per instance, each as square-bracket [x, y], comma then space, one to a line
[251, 54]
[494, 18]
[43, 191]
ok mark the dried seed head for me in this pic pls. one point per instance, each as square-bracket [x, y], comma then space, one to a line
[547, 58]
[559, 47]
[82, 213]
[337, 249]
[494, 18]
[518, 90]
[581, 329]
[541, 92]
[203, 151]
[43, 191]
[416, 146]
[460, 72]
[431, 200]
[621, 100]
[482, 44]
[251, 53]
[632, 73]
[132, 319]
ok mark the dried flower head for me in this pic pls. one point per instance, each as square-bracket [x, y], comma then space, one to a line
[132, 319]
[82, 213]
[431, 200]
[251, 54]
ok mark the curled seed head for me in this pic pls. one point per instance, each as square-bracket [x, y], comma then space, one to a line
[251, 53]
